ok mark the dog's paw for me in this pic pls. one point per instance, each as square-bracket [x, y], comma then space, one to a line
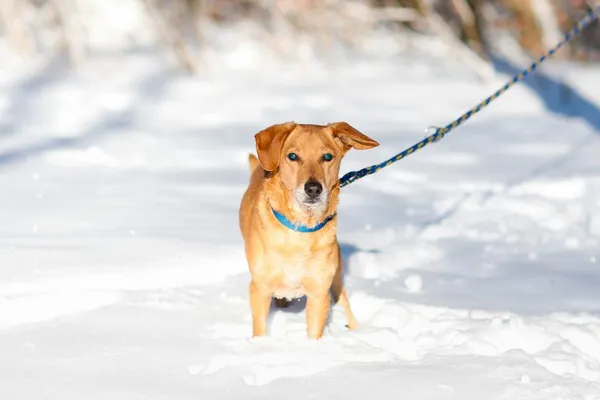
[352, 325]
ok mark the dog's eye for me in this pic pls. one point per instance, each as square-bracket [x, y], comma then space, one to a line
[293, 156]
[328, 157]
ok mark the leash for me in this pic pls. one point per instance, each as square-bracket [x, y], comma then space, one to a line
[441, 132]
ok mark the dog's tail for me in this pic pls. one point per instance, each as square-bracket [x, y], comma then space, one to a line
[253, 161]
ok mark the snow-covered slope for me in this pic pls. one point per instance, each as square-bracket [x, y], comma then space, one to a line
[472, 265]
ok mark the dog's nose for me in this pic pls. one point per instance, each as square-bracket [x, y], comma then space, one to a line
[313, 188]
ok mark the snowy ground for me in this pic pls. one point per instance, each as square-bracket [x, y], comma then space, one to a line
[473, 265]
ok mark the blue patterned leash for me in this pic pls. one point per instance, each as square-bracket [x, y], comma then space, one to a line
[441, 132]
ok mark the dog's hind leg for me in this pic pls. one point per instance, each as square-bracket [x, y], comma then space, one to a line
[282, 303]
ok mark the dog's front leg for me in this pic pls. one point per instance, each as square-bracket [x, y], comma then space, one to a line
[317, 309]
[260, 302]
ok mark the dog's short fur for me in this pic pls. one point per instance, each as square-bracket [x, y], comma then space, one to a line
[283, 263]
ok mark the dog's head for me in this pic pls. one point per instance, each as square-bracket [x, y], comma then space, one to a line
[308, 158]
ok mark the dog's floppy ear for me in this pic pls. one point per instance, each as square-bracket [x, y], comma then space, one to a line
[349, 137]
[269, 142]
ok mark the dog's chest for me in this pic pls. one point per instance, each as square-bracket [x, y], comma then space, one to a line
[292, 272]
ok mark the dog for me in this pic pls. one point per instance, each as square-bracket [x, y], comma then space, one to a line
[288, 220]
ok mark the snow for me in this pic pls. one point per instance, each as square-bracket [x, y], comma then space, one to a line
[472, 265]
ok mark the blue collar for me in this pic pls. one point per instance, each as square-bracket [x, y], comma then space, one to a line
[298, 227]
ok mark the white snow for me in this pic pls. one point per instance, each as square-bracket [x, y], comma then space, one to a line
[471, 265]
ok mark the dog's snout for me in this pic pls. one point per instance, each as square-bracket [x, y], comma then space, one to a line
[313, 188]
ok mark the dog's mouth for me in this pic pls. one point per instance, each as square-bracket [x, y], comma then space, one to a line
[312, 201]
[308, 201]
[313, 205]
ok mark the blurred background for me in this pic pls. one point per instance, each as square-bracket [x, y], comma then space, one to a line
[194, 33]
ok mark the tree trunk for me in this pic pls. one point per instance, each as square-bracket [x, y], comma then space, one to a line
[530, 34]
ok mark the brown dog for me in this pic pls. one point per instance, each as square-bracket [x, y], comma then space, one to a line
[288, 220]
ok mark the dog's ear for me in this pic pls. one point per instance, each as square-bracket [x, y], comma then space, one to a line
[269, 142]
[349, 137]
